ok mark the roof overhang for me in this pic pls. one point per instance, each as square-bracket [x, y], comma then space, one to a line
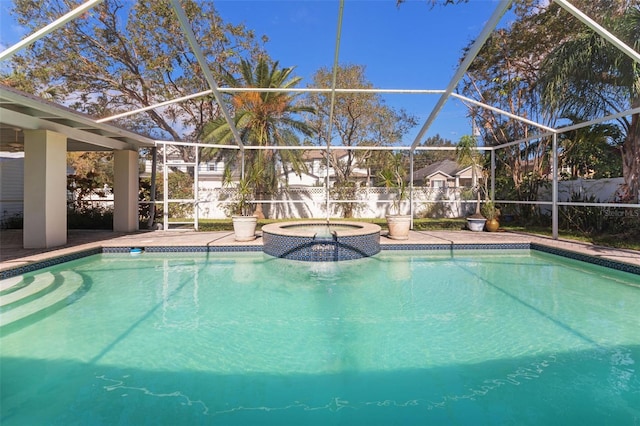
[22, 111]
[439, 172]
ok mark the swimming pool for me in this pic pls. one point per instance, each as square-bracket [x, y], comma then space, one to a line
[455, 337]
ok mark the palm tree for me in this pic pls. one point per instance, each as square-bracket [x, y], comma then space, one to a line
[263, 119]
[586, 76]
[467, 154]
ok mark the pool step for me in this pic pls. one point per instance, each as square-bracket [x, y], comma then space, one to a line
[71, 282]
[9, 283]
[40, 283]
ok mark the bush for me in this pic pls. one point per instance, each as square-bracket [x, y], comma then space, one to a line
[11, 222]
[587, 220]
[180, 187]
[90, 218]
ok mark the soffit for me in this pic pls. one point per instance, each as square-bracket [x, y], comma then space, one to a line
[21, 111]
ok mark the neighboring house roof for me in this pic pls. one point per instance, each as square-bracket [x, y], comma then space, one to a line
[318, 154]
[315, 154]
[446, 167]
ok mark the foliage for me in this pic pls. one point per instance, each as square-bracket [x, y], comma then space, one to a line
[15, 221]
[124, 55]
[592, 152]
[345, 190]
[468, 155]
[240, 203]
[262, 119]
[424, 158]
[490, 210]
[505, 75]
[584, 219]
[586, 76]
[546, 66]
[437, 2]
[418, 224]
[93, 172]
[144, 194]
[180, 187]
[358, 119]
[595, 220]
[393, 176]
[90, 217]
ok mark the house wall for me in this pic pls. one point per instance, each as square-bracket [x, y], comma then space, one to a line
[11, 185]
[465, 177]
[303, 180]
[448, 182]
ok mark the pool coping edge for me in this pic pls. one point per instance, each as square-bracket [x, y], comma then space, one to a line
[575, 255]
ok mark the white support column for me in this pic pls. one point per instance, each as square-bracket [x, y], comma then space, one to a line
[45, 189]
[125, 191]
[554, 187]
[493, 175]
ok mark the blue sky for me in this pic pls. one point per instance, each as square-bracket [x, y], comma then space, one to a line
[413, 46]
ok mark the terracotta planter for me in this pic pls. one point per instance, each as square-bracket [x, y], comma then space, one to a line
[244, 227]
[399, 226]
[492, 225]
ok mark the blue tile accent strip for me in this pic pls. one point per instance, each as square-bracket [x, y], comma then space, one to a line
[442, 247]
[626, 267]
[23, 269]
[343, 249]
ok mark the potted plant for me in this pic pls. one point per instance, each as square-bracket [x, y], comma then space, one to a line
[244, 221]
[508, 213]
[491, 213]
[467, 154]
[398, 224]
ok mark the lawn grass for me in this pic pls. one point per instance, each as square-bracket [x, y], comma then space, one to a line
[418, 224]
[625, 241]
[630, 240]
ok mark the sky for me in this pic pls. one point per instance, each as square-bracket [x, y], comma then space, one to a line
[413, 46]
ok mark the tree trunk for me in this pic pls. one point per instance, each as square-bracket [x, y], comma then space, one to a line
[631, 161]
[259, 211]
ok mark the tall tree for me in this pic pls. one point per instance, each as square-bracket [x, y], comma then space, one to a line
[592, 152]
[123, 55]
[505, 75]
[92, 171]
[359, 119]
[588, 77]
[426, 157]
[263, 119]
[468, 155]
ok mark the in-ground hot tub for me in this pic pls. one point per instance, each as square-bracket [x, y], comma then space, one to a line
[321, 241]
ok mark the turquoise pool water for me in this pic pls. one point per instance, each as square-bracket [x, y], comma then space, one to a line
[419, 337]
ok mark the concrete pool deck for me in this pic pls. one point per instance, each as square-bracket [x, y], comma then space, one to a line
[12, 254]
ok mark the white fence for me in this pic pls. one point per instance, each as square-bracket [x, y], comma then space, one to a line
[311, 202]
[601, 190]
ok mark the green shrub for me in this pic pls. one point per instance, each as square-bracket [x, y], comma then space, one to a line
[90, 218]
[11, 222]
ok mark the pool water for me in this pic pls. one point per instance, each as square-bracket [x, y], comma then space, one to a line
[418, 337]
